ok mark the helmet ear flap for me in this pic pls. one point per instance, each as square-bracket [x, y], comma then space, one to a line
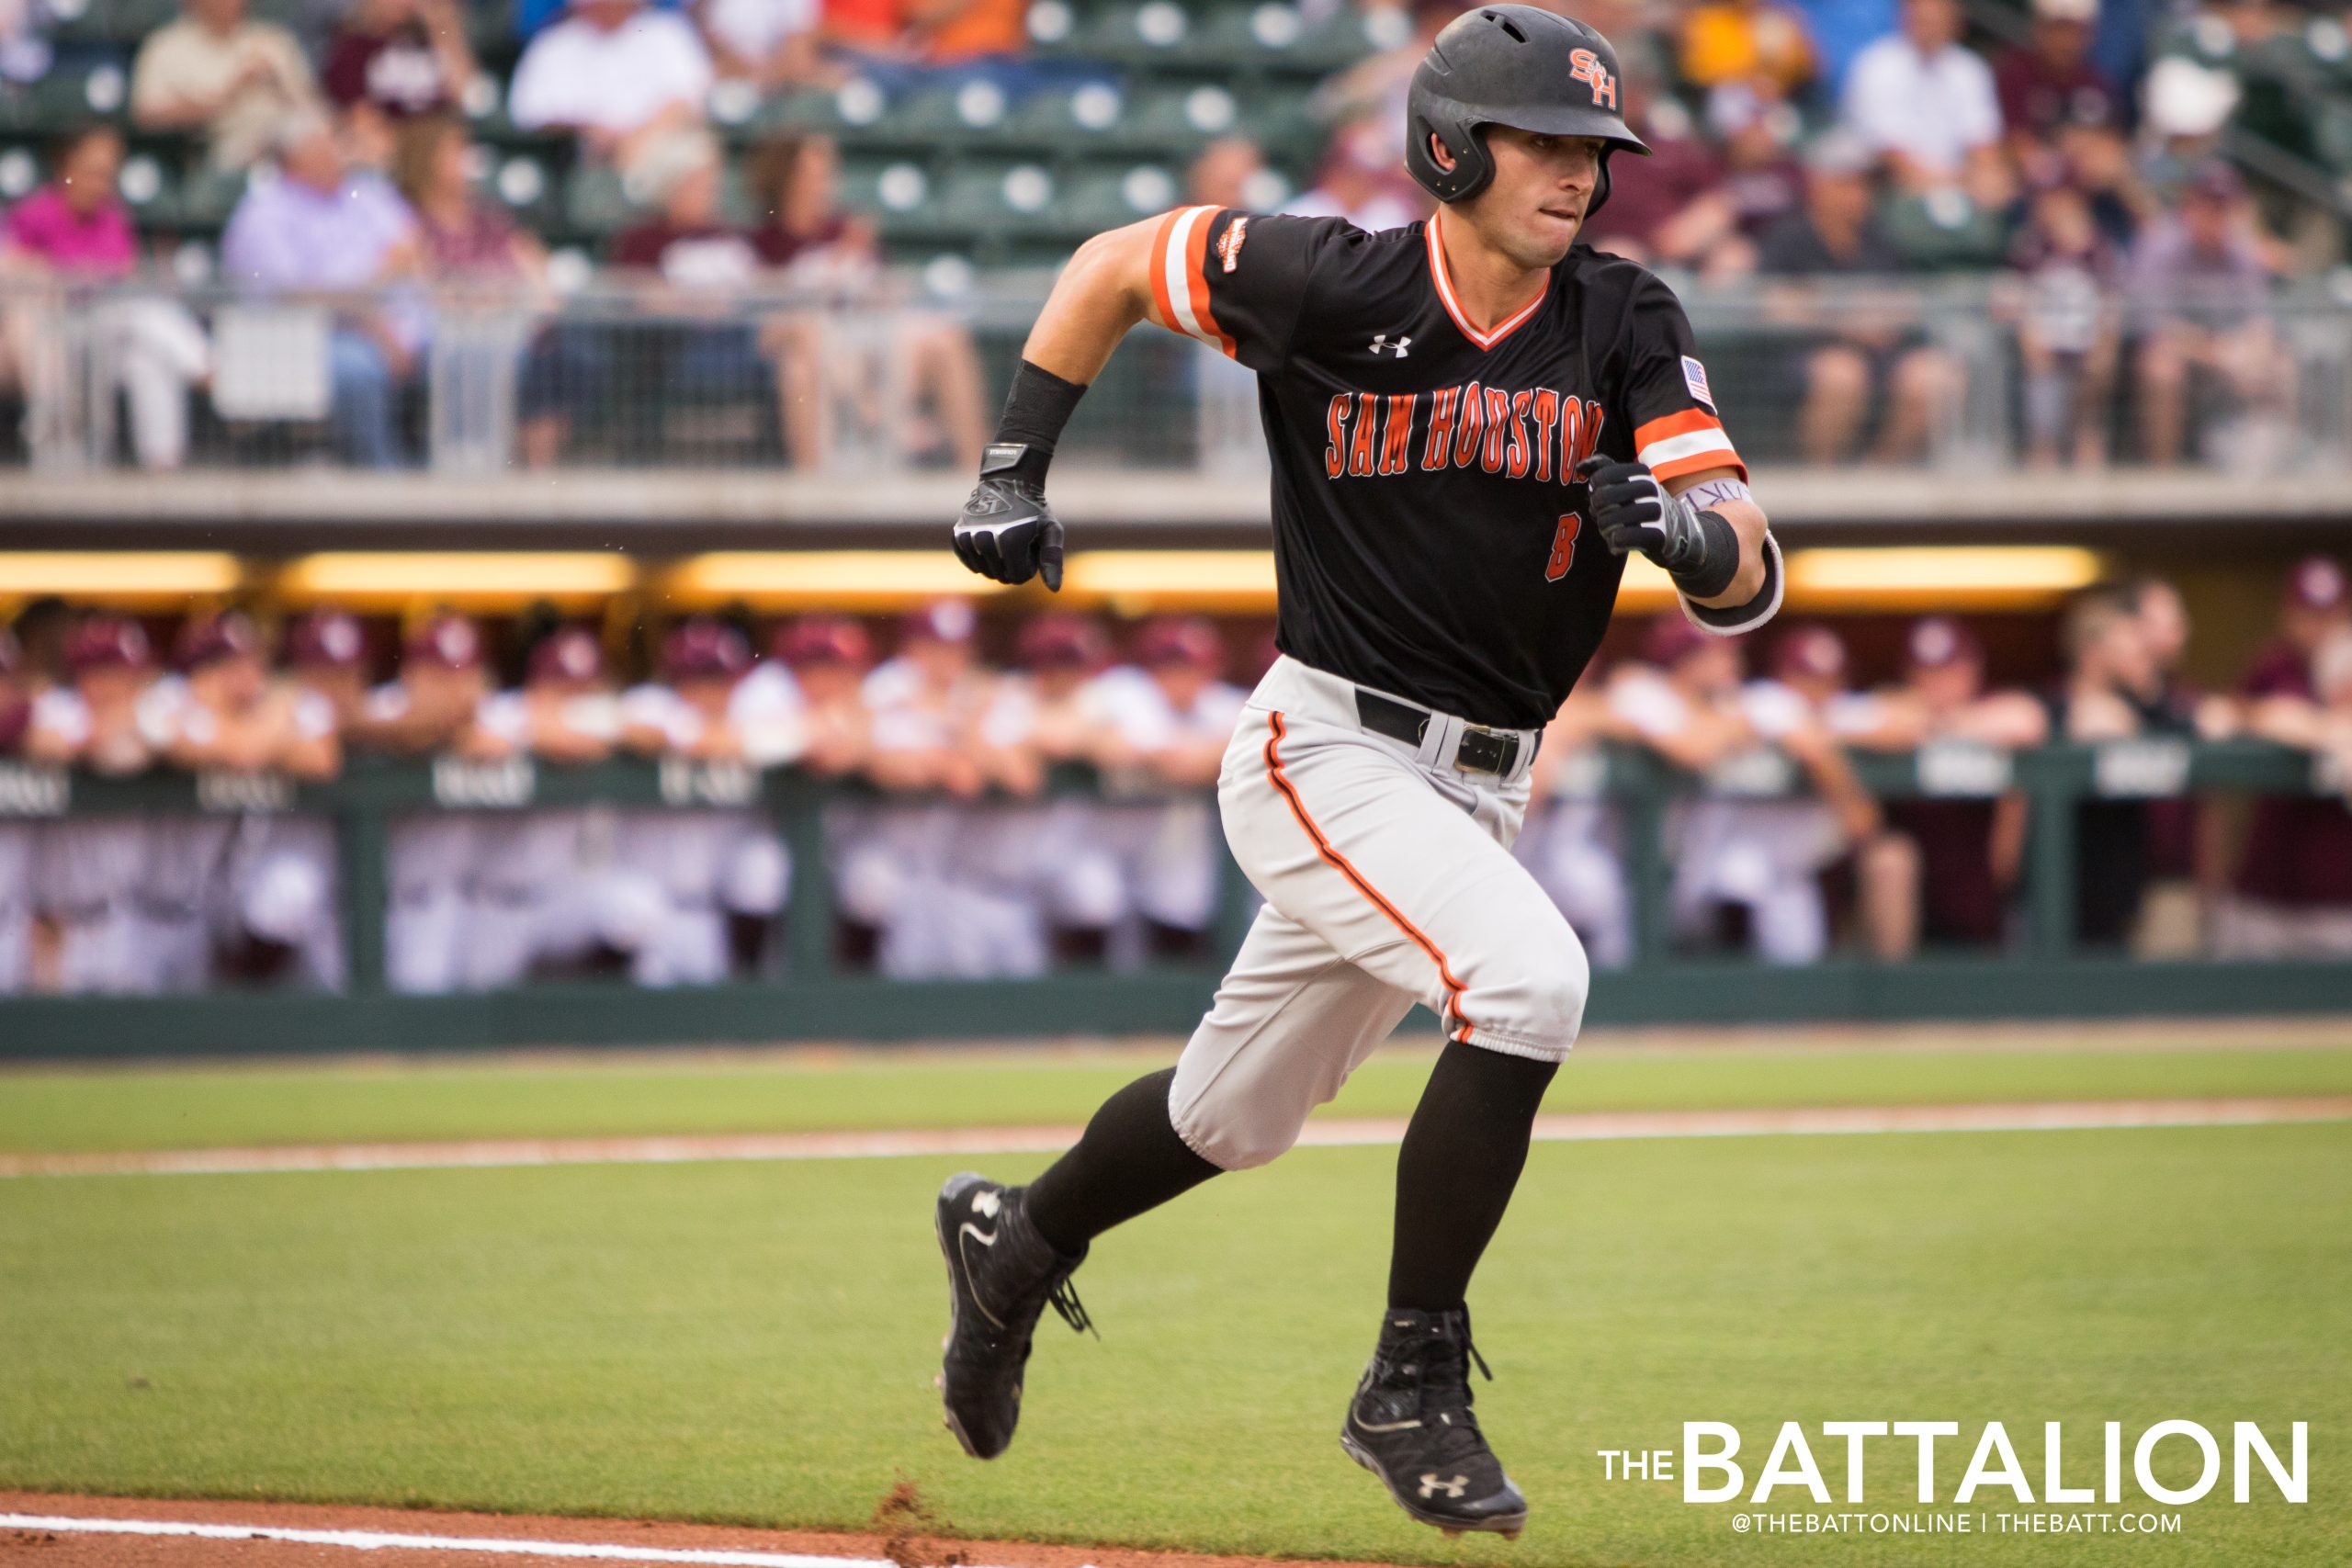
[1473, 165]
[1599, 188]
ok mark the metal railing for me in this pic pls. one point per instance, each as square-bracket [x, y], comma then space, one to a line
[809, 994]
[483, 381]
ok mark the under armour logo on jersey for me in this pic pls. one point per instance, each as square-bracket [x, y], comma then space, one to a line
[1585, 66]
[1431, 1486]
[1381, 343]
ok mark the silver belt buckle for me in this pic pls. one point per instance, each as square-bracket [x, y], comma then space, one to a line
[1484, 751]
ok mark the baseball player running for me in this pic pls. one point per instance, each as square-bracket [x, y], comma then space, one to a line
[1471, 422]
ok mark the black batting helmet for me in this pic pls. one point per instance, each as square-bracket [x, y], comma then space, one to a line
[1519, 66]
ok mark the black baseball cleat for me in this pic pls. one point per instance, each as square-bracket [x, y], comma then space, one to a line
[1410, 1424]
[1001, 1275]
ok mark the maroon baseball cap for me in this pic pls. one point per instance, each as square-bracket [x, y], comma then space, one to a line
[1062, 642]
[1938, 642]
[2317, 583]
[452, 642]
[207, 640]
[1671, 639]
[823, 640]
[102, 641]
[701, 648]
[326, 639]
[1181, 639]
[1810, 651]
[942, 620]
[568, 653]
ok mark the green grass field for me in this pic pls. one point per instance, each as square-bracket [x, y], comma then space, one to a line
[755, 1342]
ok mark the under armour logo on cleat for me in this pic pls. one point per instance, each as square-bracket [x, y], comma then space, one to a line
[1431, 1486]
[1381, 343]
[987, 1203]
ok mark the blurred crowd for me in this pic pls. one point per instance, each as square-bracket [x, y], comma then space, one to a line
[1013, 798]
[1805, 142]
[1798, 141]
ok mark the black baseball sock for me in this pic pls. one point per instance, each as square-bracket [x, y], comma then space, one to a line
[1462, 1152]
[1128, 1160]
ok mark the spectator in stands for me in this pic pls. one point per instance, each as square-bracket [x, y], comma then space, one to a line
[76, 229]
[468, 241]
[695, 263]
[1360, 180]
[2068, 328]
[26, 54]
[2293, 895]
[2110, 693]
[1867, 357]
[1923, 102]
[1725, 41]
[323, 227]
[971, 35]
[1970, 841]
[219, 72]
[2200, 296]
[2050, 82]
[910, 375]
[1678, 213]
[1763, 182]
[770, 43]
[1841, 30]
[623, 78]
[1231, 172]
[1375, 88]
[391, 60]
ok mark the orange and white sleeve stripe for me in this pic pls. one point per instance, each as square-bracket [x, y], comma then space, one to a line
[1688, 442]
[1180, 280]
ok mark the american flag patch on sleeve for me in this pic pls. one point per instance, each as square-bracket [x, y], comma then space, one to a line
[1694, 375]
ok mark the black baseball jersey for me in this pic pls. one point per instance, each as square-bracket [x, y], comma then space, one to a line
[1429, 532]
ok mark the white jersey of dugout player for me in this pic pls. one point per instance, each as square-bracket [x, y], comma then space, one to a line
[1763, 854]
[278, 876]
[904, 868]
[1168, 850]
[93, 876]
[428, 862]
[1030, 725]
[547, 884]
[706, 863]
[1572, 844]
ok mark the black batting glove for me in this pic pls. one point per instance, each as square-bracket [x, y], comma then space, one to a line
[1633, 512]
[1007, 533]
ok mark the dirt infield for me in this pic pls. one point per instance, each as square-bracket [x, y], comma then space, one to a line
[48, 1530]
[1579, 1127]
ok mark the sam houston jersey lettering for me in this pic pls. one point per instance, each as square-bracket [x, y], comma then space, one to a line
[1430, 535]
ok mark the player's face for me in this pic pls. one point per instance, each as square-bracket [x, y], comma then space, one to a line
[1535, 206]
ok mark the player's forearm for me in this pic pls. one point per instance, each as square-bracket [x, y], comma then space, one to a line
[1747, 521]
[1104, 291]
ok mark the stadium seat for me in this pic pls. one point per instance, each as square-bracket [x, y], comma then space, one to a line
[209, 195]
[1107, 196]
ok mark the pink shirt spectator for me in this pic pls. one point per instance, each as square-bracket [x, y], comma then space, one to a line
[99, 245]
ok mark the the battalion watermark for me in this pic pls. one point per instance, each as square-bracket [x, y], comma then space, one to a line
[2088, 1485]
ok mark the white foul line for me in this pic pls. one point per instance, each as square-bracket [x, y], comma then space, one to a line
[379, 1540]
[1330, 1132]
